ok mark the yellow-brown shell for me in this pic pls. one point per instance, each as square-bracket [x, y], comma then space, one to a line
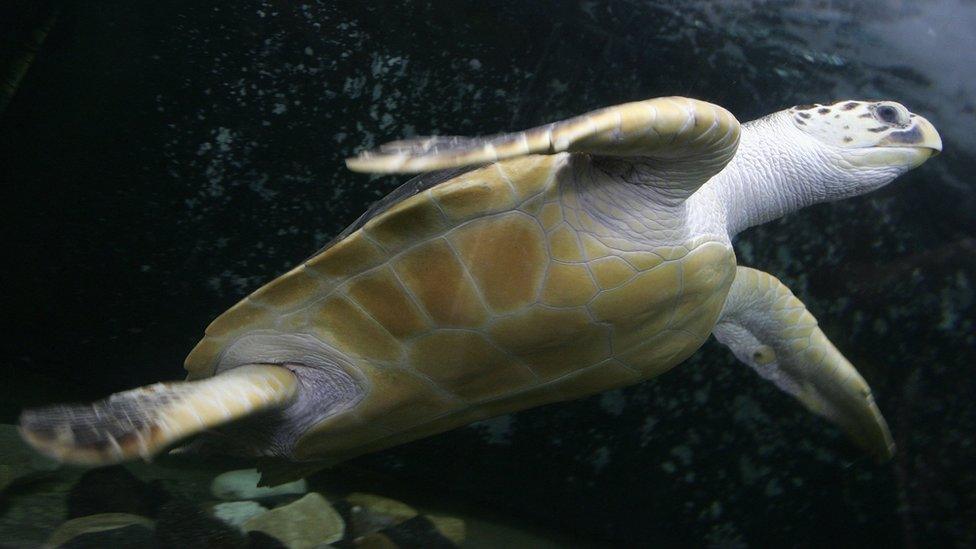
[481, 296]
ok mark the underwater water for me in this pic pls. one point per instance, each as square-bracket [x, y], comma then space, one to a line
[163, 160]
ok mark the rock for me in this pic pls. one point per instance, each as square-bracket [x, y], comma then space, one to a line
[235, 513]
[375, 540]
[182, 524]
[126, 537]
[450, 527]
[308, 522]
[370, 513]
[19, 462]
[97, 523]
[260, 540]
[243, 484]
[382, 505]
[417, 532]
[114, 490]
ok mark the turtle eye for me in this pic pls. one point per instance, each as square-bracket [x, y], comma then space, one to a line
[887, 113]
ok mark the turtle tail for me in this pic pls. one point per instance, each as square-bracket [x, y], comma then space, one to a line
[143, 422]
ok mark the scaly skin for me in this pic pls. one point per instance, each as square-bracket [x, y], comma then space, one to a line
[769, 329]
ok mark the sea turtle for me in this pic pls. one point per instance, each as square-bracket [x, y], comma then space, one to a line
[533, 267]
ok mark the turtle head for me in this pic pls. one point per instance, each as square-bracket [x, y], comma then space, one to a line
[816, 153]
[871, 141]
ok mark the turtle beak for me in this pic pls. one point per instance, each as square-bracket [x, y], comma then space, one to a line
[908, 148]
[921, 135]
[931, 139]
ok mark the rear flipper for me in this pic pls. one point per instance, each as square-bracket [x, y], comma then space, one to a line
[769, 329]
[143, 422]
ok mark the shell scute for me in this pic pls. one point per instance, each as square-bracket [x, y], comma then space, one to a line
[290, 289]
[538, 326]
[593, 247]
[506, 256]
[611, 271]
[631, 332]
[399, 399]
[535, 396]
[529, 175]
[601, 377]
[653, 290]
[661, 352]
[474, 194]
[338, 321]
[385, 299]
[246, 314]
[352, 254]
[642, 260]
[550, 215]
[708, 267]
[466, 364]
[588, 346]
[413, 220]
[563, 244]
[433, 273]
[202, 359]
[293, 322]
[567, 285]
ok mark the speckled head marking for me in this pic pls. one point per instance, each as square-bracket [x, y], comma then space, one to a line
[878, 130]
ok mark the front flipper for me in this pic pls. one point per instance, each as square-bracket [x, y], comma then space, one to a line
[144, 421]
[687, 140]
[769, 329]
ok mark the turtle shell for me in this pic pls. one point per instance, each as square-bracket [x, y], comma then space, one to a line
[479, 293]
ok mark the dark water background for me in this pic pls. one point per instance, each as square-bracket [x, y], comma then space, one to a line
[163, 159]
